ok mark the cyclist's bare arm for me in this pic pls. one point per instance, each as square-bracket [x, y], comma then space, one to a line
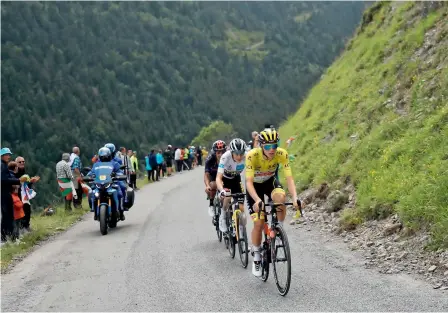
[207, 179]
[251, 189]
[219, 182]
[291, 187]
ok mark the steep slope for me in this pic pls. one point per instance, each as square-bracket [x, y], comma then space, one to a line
[146, 73]
[379, 119]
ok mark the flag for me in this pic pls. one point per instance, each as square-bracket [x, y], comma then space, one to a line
[67, 188]
[85, 190]
[27, 193]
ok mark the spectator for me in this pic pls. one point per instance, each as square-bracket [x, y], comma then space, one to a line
[134, 163]
[148, 167]
[168, 156]
[153, 163]
[19, 214]
[186, 158]
[123, 155]
[8, 180]
[178, 159]
[66, 180]
[159, 160]
[26, 202]
[192, 156]
[76, 166]
[255, 139]
[199, 155]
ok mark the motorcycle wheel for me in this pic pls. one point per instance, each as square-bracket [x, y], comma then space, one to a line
[103, 219]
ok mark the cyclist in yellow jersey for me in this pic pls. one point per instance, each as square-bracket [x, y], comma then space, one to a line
[261, 165]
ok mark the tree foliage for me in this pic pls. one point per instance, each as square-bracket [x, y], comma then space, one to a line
[144, 73]
[216, 130]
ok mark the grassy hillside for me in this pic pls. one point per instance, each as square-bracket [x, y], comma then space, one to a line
[379, 119]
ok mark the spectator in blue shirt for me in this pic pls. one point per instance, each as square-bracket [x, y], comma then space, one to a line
[159, 160]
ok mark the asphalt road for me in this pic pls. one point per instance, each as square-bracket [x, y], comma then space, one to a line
[166, 257]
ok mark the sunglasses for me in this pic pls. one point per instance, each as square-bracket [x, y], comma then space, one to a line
[270, 146]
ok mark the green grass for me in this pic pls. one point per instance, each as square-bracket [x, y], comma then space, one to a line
[397, 158]
[46, 226]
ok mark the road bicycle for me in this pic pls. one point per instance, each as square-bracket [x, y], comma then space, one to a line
[275, 246]
[236, 230]
[217, 212]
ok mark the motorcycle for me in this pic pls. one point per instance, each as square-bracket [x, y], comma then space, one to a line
[101, 200]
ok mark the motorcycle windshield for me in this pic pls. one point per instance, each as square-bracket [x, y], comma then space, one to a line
[103, 172]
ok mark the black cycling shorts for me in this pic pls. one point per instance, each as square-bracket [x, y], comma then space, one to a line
[263, 189]
[169, 163]
[234, 185]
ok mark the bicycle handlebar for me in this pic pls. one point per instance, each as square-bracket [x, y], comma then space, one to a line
[235, 195]
[273, 205]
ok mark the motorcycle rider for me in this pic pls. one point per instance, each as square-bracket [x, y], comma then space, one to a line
[115, 158]
[104, 155]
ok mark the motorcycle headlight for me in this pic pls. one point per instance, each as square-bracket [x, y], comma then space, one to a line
[97, 194]
[98, 185]
[106, 186]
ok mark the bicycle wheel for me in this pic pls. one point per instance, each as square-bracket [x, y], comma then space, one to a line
[216, 217]
[230, 233]
[265, 261]
[281, 254]
[243, 248]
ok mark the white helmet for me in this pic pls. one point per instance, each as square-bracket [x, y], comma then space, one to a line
[238, 146]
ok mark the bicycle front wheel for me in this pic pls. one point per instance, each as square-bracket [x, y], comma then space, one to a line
[243, 247]
[230, 234]
[281, 259]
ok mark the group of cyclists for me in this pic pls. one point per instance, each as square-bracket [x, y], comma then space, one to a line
[223, 170]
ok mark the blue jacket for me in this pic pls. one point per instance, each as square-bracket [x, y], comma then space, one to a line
[148, 166]
[153, 160]
[159, 158]
[116, 167]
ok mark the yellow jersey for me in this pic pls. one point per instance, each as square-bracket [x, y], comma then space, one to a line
[261, 169]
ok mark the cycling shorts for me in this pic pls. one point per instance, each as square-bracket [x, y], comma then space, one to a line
[262, 189]
[235, 186]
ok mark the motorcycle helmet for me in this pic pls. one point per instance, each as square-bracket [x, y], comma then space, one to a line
[111, 147]
[104, 154]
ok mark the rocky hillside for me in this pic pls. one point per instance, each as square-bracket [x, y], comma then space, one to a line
[372, 137]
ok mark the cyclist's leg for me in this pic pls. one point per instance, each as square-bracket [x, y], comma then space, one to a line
[278, 195]
[257, 230]
[227, 184]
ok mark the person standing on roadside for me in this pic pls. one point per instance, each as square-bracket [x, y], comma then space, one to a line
[168, 156]
[159, 160]
[26, 203]
[8, 181]
[178, 159]
[66, 180]
[76, 166]
[134, 163]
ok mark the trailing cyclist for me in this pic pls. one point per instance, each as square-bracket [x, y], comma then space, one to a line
[211, 169]
[228, 178]
[261, 166]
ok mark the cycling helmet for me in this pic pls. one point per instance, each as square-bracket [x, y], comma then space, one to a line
[268, 136]
[111, 147]
[219, 145]
[104, 154]
[237, 146]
